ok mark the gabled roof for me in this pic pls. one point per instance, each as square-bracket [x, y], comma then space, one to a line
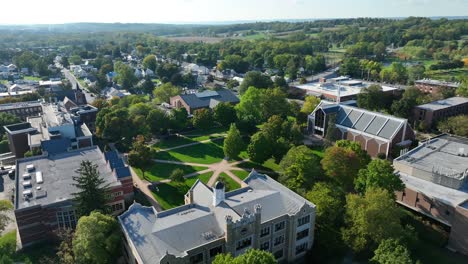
[204, 99]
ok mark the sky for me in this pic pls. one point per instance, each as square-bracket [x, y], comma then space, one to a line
[193, 11]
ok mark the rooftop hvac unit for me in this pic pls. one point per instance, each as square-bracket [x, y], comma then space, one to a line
[26, 176]
[30, 167]
[27, 184]
[27, 193]
[39, 177]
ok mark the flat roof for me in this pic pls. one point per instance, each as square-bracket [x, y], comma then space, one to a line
[438, 82]
[440, 153]
[19, 105]
[57, 173]
[444, 103]
[331, 88]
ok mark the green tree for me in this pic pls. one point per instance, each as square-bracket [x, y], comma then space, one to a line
[378, 174]
[255, 79]
[177, 175]
[300, 168]
[5, 206]
[112, 123]
[149, 62]
[158, 121]
[259, 148]
[64, 61]
[371, 218]
[251, 256]
[310, 103]
[342, 165]
[92, 191]
[457, 125]
[202, 118]
[373, 98]
[163, 93]
[75, 59]
[125, 75]
[362, 155]
[65, 249]
[462, 90]
[225, 114]
[233, 144]
[391, 251]
[179, 119]
[140, 155]
[97, 239]
[147, 86]
[7, 119]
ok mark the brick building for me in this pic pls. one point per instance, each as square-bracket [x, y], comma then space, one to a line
[44, 187]
[264, 214]
[429, 114]
[375, 132]
[435, 175]
[435, 86]
[22, 109]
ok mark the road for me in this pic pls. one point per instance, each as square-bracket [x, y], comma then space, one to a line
[74, 82]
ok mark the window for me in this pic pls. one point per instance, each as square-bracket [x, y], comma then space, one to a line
[278, 254]
[304, 220]
[215, 251]
[302, 234]
[301, 248]
[66, 219]
[197, 258]
[279, 240]
[265, 246]
[117, 207]
[279, 226]
[265, 231]
[244, 243]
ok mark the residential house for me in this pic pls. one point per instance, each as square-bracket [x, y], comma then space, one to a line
[263, 214]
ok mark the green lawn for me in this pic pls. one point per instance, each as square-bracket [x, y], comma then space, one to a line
[170, 195]
[172, 142]
[229, 183]
[205, 133]
[161, 171]
[32, 78]
[206, 153]
[448, 75]
[268, 165]
[191, 137]
[318, 151]
[242, 174]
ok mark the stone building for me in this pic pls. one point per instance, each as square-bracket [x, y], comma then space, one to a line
[263, 215]
[435, 175]
[375, 132]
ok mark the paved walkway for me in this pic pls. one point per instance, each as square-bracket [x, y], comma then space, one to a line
[143, 186]
[192, 144]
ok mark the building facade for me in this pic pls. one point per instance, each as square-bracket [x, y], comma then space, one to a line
[23, 109]
[435, 86]
[429, 114]
[263, 215]
[375, 132]
[435, 175]
[44, 188]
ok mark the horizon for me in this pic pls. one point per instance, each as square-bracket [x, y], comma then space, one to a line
[215, 11]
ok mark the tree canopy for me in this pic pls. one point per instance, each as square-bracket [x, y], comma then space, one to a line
[391, 251]
[300, 168]
[233, 143]
[378, 174]
[251, 256]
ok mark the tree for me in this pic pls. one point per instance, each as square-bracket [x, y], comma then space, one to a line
[92, 191]
[378, 174]
[350, 66]
[310, 103]
[373, 98]
[225, 113]
[412, 96]
[457, 125]
[140, 155]
[64, 62]
[177, 175]
[300, 168]
[163, 93]
[202, 118]
[255, 79]
[158, 121]
[462, 90]
[371, 218]
[362, 155]
[396, 73]
[251, 256]
[112, 123]
[342, 165]
[97, 239]
[7, 119]
[75, 59]
[149, 62]
[233, 144]
[65, 250]
[125, 75]
[391, 251]
[259, 148]
[179, 119]
[147, 86]
[5, 206]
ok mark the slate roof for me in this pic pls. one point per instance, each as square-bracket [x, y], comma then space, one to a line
[373, 123]
[175, 231]
[116, 164]
[209, 98]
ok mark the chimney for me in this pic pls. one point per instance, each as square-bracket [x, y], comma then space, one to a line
[218, 193]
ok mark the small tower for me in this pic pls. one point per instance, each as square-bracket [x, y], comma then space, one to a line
[218, 193]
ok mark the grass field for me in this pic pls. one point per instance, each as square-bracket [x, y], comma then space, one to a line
[448, 75]
[191, 137]
[170, 195]
[206, 153]
[32, 78]
[229, 183]
[269, 166]
[161, 171]
[242, 174]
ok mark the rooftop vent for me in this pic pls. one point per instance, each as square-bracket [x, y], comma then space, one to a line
[41, 194]
[26, 176]
[27, 193]
[39, 178]
[30, 167]
[27, 184]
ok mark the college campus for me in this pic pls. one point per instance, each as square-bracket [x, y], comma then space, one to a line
[258, 141]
